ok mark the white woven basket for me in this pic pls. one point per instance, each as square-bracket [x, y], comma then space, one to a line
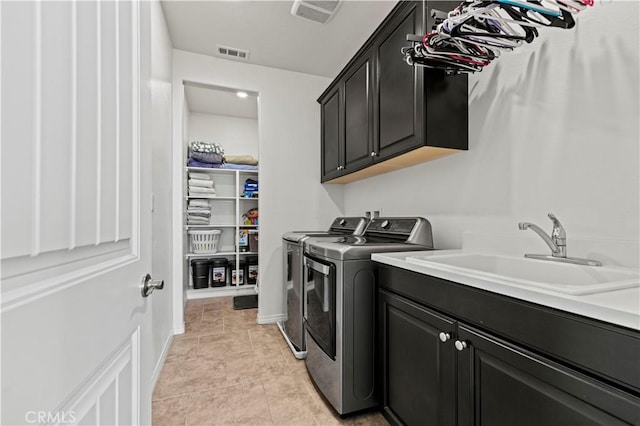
[204, 241]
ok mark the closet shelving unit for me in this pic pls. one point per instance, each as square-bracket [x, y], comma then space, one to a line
[227, 208]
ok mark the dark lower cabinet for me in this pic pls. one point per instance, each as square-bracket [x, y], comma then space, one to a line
[500, 384]
[439, 370]
[419, 370]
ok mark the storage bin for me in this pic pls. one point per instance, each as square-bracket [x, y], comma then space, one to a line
[200, 273]
[204, 241]
[253, 241]
[252, 270]
[219, 272]
[237, 277]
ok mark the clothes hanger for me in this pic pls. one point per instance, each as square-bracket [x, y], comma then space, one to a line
[565, 20]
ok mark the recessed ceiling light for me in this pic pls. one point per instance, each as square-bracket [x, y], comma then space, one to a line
[242, 94]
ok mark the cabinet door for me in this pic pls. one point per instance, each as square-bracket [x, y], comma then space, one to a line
[358, 104]
[399, 106]
[331, 136]
[501, 384]
[418, 370]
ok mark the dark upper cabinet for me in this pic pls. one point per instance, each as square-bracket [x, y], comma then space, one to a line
[358, 107]
[400, 93]
[331, 135]
[391, 112]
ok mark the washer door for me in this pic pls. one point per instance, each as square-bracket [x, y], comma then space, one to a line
[320, 303]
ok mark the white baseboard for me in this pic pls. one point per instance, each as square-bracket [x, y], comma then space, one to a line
[270, 319]
[220, 292]
[160, 363]
[179, 330]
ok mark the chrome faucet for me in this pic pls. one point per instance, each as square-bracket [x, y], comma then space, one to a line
[557, 242]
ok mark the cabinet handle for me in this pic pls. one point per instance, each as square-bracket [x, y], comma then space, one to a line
[337, 168]
[373, 153]
[460, 345]
[444, 336]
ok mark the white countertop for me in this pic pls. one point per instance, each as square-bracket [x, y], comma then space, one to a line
[620, 307]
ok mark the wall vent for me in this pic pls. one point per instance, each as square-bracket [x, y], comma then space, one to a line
[233, 53]
[317, 11]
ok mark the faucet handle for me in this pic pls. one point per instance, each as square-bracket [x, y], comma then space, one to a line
[558, 232]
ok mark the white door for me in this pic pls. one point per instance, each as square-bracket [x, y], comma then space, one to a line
[75, 194]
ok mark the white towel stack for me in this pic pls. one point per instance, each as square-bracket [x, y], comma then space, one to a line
[201, 185]
[198, 212]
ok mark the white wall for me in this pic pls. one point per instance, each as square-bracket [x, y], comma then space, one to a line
[553, 127]
[291, 196]
[238, 136]
[161, 267]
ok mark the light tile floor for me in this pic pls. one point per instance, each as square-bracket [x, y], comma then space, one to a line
[227, 369]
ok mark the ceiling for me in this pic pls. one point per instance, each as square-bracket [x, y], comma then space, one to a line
[274, 37]
[220, 101]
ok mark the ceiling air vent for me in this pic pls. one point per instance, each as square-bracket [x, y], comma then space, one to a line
[233, 53]
[317, 11]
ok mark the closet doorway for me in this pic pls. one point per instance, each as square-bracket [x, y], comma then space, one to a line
[220, 191]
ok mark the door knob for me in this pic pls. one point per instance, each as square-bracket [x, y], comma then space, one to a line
[444, 336]
[148, 285]
[460, 345]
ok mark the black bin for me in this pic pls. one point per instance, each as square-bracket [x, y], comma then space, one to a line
[219, 275]
[239, 279]
[200, 273]
[252, 270]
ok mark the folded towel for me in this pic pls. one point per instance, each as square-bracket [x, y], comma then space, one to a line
[199, 203]
[197, 175]
[197, 216]
[200, 182]
[241, 159]
[200, 190]
[192, 212]
[198, 219]
[194, 221]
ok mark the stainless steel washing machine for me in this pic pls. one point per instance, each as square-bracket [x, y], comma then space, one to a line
[292, 243]
[340, 310]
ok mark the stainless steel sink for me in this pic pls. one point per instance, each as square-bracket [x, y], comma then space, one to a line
[560, 277]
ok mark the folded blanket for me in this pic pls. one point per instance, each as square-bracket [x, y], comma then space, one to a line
[200, 190]
[201, 176]
[199, 203]
[206, 147]
[232, 166]
[196, 163]
[192, 162]
[200, 182]
[204, 157]
[241, 159]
